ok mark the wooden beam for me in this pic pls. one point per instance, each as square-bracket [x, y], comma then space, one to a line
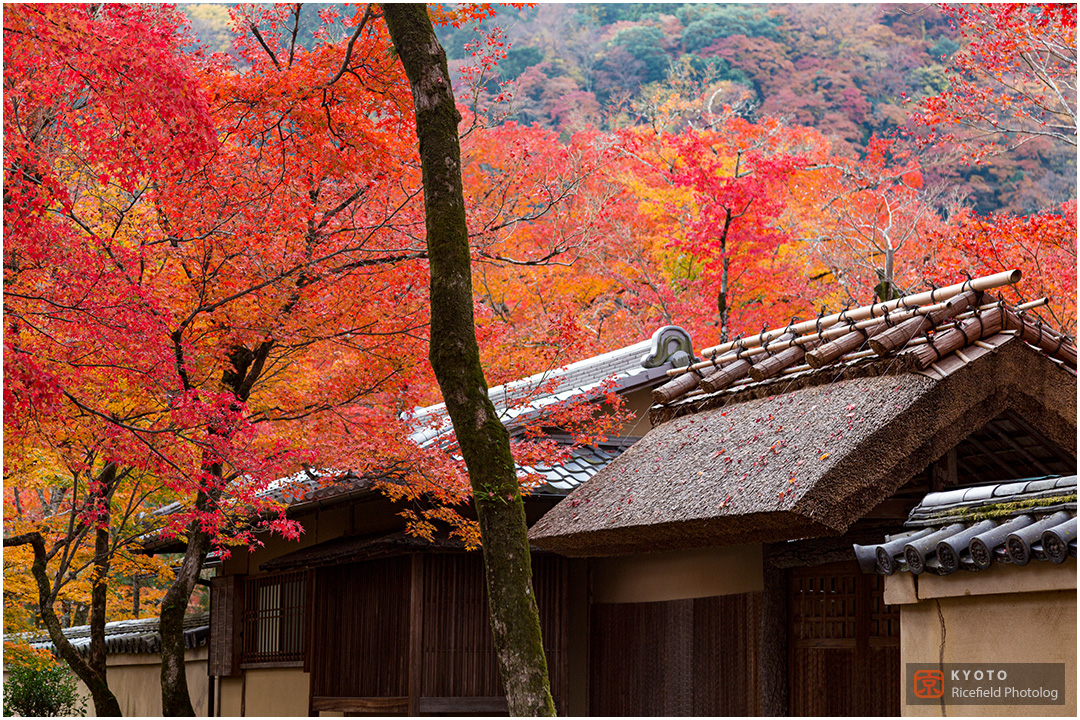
[1009, 470]
[376, 705]
[1048, 444]
[773, 657]
[1019, 448]
[416, 634]
[943, 471]
[463, 705]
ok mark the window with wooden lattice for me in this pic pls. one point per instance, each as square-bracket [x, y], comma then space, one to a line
[273, 619]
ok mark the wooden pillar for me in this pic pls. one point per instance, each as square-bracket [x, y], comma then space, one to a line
[943, 472]
[416, 633]
[774, 640]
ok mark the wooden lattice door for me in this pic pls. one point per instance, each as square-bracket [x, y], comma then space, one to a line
[843, 643]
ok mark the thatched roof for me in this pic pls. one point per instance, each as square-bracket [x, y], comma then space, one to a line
[807, 455]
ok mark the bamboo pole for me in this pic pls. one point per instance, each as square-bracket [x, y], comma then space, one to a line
[704, 373]
[781, 344]
[1052, 343]
[988, 282]
[730, 373]
[895, 338]
[680, 385]
[872, 325]
[981, 325]
[774, 364]
[847, 342]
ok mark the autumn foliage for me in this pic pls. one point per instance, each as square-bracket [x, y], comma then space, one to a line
[215, 274]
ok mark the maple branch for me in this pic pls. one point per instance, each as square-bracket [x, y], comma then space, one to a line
[177, 337]
[314, 408]
[295, 28]
[243, 390]
[545, 260]
[259, 37]
[343, 205]
[369, 14]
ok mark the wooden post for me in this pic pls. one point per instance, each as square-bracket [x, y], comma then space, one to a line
[774, 640]
[943, 472]
[416, 633]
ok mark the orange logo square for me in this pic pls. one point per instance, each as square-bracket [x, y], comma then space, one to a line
[929, 684]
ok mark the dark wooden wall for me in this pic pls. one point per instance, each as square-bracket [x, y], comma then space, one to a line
[363, 638]
[681, 657]
[226, 606]
[844, 643]
[458, 650]
[361, 630]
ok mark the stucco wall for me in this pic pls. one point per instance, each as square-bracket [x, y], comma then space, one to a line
[261, 692]
[1000, 628]
[679, 575]
[135, 679]
[637, 403]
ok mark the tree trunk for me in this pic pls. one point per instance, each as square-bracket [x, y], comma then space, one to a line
[723, 304]
[102, 562]
[175, 698]
[98, 597]
[455, 357]
[244, 368]
[105, 703]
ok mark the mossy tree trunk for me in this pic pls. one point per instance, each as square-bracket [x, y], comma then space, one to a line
[455, 357]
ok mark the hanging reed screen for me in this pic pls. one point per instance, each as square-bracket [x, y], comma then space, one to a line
[273, 619]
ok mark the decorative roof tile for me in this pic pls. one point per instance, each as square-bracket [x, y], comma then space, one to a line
[974, 528]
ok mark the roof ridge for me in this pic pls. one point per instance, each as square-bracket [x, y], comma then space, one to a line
[926, 327]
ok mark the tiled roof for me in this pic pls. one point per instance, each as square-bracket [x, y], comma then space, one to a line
[584, 462]
[628, 368]
[128, 636]
[625, 368]
[973, 528]
[304, 488]
[933, 333]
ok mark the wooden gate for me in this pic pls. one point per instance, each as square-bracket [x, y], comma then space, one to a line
[843, 643]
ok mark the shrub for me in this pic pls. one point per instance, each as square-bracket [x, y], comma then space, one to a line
[42, 689]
